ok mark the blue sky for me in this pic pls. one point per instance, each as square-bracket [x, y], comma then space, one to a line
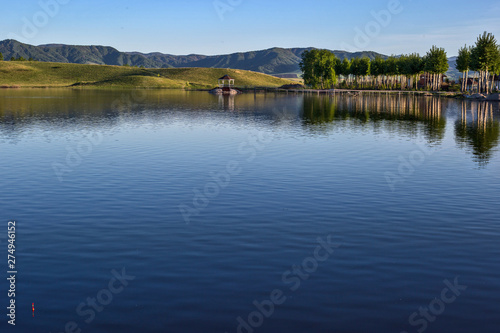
[227, 26]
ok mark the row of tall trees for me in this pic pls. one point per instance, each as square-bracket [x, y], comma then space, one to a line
[483, 59]
[321, 68]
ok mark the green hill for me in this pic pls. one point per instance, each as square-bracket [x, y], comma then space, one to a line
[271, 61]
[49, 74]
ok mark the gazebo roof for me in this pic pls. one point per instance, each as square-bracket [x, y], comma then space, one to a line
[226, 77]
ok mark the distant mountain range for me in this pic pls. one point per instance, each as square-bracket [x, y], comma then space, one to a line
[271, 61]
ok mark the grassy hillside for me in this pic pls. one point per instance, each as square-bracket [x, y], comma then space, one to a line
[45, 74]
[271, 61]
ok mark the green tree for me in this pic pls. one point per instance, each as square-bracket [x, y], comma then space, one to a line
[410, 66]
[364, 69]
[485, 57]
[377, 67]
[436, 64]
[496, 68]
[318, 67]
[308, 68]
[391, 70]
[463, 65]
[1, 56]
[355, 70]
[338, 67]
[415, 66]
[404, 70]
[325, 67]
[345, 69]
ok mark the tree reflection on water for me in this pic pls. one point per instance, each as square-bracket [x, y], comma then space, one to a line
[477, 130]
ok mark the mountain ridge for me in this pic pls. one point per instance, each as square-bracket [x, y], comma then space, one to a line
[268, 61]
[272, 61]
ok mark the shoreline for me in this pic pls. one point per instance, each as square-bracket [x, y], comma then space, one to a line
[353, 92]
[255, 89]
[493, 97]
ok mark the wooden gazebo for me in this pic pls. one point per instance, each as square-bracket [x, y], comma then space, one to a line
[226, 82]
[226, 87]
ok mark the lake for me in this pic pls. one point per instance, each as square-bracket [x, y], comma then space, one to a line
[173, 211]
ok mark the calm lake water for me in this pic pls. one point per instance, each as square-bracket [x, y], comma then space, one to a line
[170, 211]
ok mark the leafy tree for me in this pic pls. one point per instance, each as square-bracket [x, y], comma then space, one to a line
[436, 64]
[377, 69]
[1, 56]
[12, 59]
[364, 68]
[391, 70]
[485, 57]
[463, 65]
[496, 67]
[338, 67]
[318, 67]
[360, 68]
[404, 70]
[392, 66]
[409, 66]
[355, 69]
[309, 69]
[415, 65]
[325, 67]
[344, 69]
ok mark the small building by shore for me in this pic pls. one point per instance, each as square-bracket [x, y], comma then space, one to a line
[226, 87]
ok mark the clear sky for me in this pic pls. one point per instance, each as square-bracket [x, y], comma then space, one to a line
[227, 26]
